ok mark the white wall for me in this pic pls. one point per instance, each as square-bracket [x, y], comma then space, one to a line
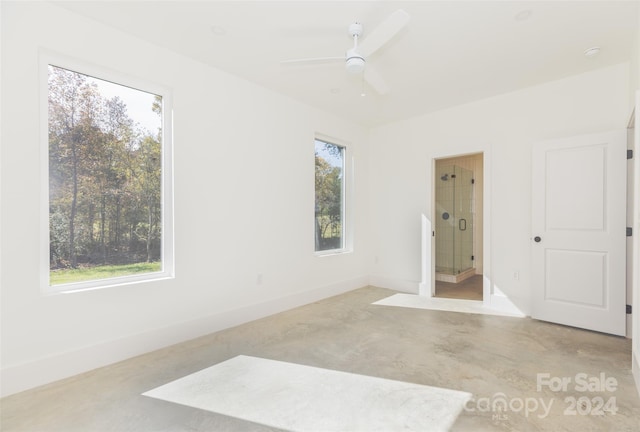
[244, 204]
[634, 76]
[504, 128]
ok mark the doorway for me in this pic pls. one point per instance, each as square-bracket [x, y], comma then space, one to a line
[458, 186]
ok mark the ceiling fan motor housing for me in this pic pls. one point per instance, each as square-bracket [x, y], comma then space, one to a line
[355, 61]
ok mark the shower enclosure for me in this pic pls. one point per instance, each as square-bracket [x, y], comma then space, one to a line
[454, 223]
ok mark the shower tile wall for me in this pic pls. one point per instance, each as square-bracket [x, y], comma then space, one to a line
[444, 227]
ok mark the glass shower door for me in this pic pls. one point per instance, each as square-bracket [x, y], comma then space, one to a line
[464, 204]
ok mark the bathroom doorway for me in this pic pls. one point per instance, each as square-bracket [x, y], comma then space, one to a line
[458, 186]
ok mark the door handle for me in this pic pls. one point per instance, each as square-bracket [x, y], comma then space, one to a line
[461, 226]
[537, 239]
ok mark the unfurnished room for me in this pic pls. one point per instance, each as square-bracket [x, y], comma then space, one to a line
[319, 216]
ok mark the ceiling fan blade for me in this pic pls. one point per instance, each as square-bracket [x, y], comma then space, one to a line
[312, 61]
[375, 80]
[384, 32]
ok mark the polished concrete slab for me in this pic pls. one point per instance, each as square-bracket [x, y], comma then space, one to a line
[301, 398]
[505, 363]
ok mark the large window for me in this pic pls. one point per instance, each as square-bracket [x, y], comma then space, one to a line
[108, 191]
[330, 196]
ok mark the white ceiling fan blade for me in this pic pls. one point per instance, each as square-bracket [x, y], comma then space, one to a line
[383, 33]
[375, 80]
[312, 61]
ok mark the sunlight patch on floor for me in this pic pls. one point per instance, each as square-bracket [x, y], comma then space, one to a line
[304, 398]
[441, 304]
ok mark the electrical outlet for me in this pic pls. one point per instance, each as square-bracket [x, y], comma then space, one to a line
[516, 275]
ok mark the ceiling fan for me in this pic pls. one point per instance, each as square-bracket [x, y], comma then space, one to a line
[355, 58]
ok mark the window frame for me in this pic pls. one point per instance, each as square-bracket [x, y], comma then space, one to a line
[47, 58]
[346, 226]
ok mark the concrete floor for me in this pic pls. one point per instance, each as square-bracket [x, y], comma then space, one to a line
[481, 354]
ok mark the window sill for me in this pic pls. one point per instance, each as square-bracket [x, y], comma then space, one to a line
[333, 252]
[71, 288]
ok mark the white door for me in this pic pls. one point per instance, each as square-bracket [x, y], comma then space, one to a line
[579, 236]
[635, 316]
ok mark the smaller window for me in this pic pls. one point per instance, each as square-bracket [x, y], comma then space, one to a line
[330, 196]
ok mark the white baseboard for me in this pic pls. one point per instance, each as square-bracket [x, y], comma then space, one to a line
[401, 285]
[24, 376]
[502, 304]
[635, 368]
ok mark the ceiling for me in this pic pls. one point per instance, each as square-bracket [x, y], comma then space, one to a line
[451, 52]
